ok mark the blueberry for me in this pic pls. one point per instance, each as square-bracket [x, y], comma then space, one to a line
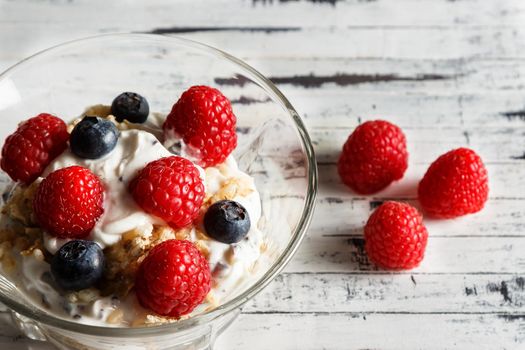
[130, 106]
[93, 137]
[77, 265]
[227, 221]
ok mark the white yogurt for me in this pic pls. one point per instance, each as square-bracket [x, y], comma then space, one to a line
[135, 149]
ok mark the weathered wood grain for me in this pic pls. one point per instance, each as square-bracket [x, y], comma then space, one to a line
[396, 43]
[505, 180]
[408, 110]
[382, 293]
[426, 144]
[501, 217]
[375, 74]
[444, 255]
[396, 331]
[412, 93]
[272, 13]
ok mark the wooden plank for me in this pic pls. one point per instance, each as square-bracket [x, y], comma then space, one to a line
[388, 292]
[381, 74]
[347, 108]
[352, 330]
[268, 13]
[340, 93]
[505, 182]
[449, 255]
[411, 93]
[375, 331]
[500, 217]
[426, 144]
[395, 43]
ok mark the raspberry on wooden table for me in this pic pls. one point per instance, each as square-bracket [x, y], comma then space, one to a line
[173, 278]
[373, 157]
[395, 237]
[34, 144]
[455, 184]
[170, 188]
[68, 202]
[203, 117]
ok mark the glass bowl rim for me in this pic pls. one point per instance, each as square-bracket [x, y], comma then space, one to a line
[277, 266]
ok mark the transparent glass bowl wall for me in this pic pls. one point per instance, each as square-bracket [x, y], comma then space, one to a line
[274, 148]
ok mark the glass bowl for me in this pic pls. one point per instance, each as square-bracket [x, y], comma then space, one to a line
[274, 148]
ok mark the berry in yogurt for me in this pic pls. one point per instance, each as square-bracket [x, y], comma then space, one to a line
[69, 202]
[78, 265]
[170, 188]
[204, 119]
[173, 279]
[130, 106]
[34, 144]
[93, 137]
[227, 221]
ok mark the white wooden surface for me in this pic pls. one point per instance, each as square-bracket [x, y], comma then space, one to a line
[450, 73]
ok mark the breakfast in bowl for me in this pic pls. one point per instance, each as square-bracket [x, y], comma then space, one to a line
[140, 210]
[128, 218]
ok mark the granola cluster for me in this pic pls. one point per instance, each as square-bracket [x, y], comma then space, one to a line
[22, 235]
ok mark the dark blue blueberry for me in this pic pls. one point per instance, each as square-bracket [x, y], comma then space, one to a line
[93, 137]
[130, 106]
[78, 265]
[227, 221]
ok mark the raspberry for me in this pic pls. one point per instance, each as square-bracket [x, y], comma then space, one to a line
[395, 237]
[34, 144]
[374, 156]
[170, 188]
[173, 278]
[455, 184]
[203, 117]
[68, 202]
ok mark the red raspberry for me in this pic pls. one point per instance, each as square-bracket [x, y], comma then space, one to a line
[68, 202]
[170, 188]
[203, 117]
[34, 144]
[173, 279]
[374, 155]
[395, 237]
[455, 184]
